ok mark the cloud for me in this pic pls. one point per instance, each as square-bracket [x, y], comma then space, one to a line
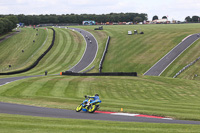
[177, 9]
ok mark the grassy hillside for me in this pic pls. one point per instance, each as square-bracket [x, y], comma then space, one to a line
[63, 55]
[24, 124]
[126, 53]
[11, 48]
[138, 53]
[167, 97]
[162, 96]
[67, 51]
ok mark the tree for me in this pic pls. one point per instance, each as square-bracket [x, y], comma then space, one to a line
[195, 19]
[76, 18]
[155, 17]
[188, 19]
[164, 17]
[7, 24]
[138, 19]
[1, 27]
[14, 20]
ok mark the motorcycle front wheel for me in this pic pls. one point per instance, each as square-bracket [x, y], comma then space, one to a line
[91, 108]
[79, 108]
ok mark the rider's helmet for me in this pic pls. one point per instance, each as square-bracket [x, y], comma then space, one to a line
[96, 94]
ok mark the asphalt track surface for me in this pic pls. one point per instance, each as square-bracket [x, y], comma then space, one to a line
[4, 81]
[163, 63]
[18, 109]
[90, 51]
[8, 36]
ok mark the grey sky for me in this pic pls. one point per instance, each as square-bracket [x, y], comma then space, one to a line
[174, 9]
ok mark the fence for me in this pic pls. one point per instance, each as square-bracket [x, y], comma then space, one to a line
[184, 68]
[104, 55]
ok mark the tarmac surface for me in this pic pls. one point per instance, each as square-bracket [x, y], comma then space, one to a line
[90, 51]
[10, 108]
[163, 63]
[4, 81]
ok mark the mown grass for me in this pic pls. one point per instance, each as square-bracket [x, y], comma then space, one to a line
[167, 97]
[11, 48]
[67, 51]
[24, 124]
[140, 52]
[4, 35]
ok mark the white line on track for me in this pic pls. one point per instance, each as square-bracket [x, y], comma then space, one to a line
[5, 83]
[124, 114]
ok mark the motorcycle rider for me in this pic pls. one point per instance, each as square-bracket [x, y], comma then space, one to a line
[94, 99]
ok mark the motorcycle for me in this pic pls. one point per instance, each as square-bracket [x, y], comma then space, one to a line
[89, 105]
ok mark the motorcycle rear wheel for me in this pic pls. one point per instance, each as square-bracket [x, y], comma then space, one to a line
[91, 108]
[79, 108]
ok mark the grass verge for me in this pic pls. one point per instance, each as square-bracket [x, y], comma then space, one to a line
[24, 124]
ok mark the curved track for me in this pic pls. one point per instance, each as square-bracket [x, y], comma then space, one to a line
[90, 51]
[163, 63]
[9, 108]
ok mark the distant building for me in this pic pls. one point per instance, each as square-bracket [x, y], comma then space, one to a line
[90, 22]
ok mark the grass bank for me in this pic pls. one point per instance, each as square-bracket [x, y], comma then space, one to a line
[138, 53]
[67, 51]
[175, 98]
[11, 49]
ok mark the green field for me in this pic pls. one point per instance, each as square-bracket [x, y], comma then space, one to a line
[11, 48]
[161, 96]
[138, 53]
[24, 124]
[60, 58]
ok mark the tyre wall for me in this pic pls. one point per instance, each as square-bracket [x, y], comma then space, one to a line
[69, 73]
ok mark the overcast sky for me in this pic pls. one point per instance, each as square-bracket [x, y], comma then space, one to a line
[174, 9]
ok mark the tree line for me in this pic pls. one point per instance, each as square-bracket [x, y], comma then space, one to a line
[156, 17]
[193, 19]
[7, 23]
[76, 18]
[188, 19]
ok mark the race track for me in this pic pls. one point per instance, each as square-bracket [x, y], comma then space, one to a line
[90, 51]
[163, 63]
[9, 108]
[4, 81]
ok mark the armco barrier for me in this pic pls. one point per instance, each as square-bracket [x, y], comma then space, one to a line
[104, 55]
[69, 73]
[184, 68]
[36, 62]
